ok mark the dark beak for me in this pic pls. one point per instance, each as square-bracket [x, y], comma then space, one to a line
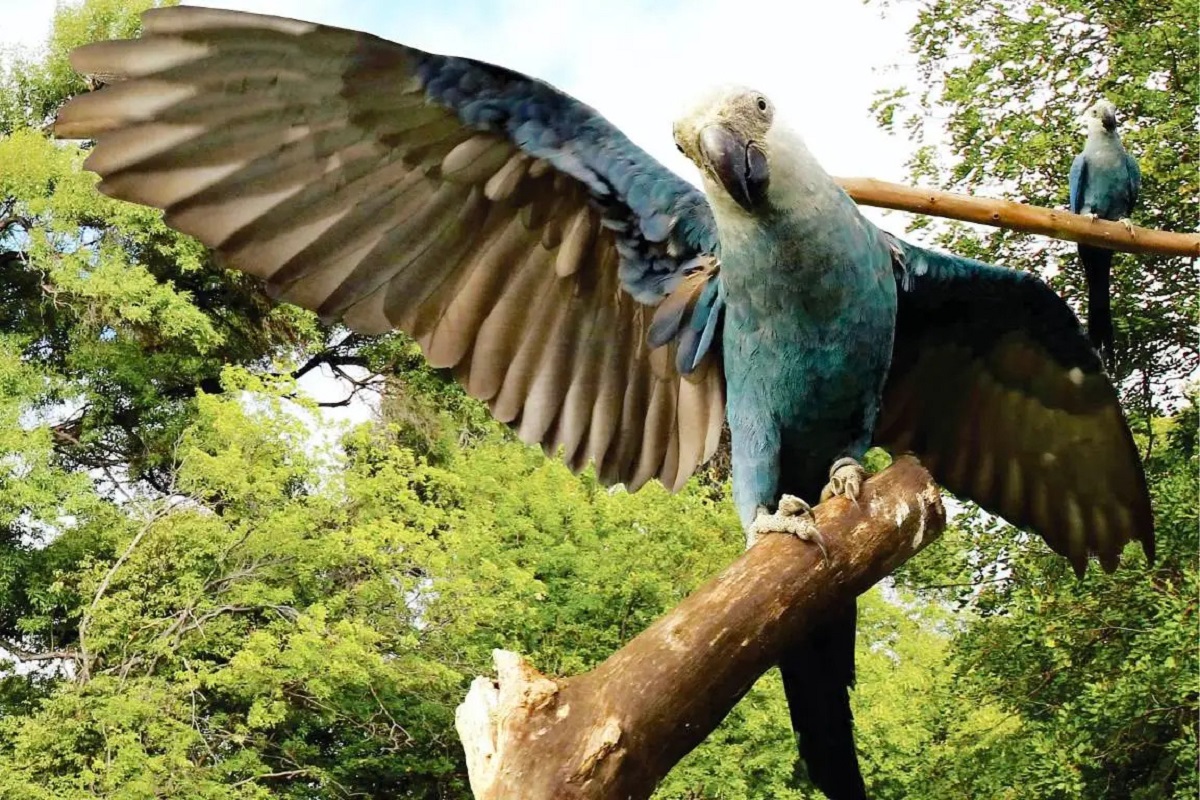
[1109, 119]
[740, 165]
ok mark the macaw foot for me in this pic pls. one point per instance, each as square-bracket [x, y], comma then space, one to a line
[846, 478]
[1092, 217]
[793, 516]
[1128, 223]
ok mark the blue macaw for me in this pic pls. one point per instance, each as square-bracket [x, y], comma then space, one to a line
[605, 307]
[1104, 183]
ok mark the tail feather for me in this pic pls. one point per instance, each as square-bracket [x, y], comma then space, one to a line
[1097, 269]
[817, 677]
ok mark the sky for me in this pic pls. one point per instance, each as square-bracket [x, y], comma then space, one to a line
[640, 63]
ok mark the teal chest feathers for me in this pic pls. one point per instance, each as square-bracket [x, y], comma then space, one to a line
[810, 359]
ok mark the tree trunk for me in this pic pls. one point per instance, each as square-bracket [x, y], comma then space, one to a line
[615, 731]
[1020, 217]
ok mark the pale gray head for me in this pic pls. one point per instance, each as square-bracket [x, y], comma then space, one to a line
[726, 137]
[1101, 117]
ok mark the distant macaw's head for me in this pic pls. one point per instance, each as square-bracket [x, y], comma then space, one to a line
[725, 136]
[1100, 117]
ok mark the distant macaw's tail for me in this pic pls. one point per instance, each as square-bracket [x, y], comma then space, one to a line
[817, 676]
[1097, 268]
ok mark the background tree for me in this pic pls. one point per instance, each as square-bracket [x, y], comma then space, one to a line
[1001, 84]
[200, 598]
[1101, 673]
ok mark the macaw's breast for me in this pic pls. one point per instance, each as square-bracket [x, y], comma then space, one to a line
[807, 351]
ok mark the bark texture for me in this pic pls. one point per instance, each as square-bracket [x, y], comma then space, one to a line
[615, 731]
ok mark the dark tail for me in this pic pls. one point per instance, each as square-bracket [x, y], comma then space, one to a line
[1097, 267]
[817, 677]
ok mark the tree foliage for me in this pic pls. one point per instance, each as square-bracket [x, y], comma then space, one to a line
[1101, 673]
[202, 597]
[1001, 84]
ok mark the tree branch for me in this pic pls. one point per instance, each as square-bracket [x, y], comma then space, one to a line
[287, 773]
[1020, 217]
[85, 661]
[333, 356]
[617, 730]
[14, 649]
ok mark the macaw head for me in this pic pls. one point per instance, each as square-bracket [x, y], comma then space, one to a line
[1100, 117]
[727, 137]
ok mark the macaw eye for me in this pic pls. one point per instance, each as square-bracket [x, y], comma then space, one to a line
[762, 104]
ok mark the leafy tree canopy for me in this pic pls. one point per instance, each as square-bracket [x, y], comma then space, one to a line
[201, 598]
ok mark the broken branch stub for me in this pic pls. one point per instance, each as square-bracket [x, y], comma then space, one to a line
[615, 731]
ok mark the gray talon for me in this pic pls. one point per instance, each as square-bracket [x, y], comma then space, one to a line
[790, 506]
[1128, 223]
[793, 516]
[846, 478]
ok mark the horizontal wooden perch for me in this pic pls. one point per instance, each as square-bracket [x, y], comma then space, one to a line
[1020, 217]
[615, 731]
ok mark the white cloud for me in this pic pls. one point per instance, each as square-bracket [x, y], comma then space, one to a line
[26, 23]
[641, 63]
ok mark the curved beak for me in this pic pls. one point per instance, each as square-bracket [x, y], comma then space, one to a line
[740, 165]
[1109, 118]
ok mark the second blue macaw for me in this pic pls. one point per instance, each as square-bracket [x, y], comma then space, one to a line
[1104, 183]
[605, 307]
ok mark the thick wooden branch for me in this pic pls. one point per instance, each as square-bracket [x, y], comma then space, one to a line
[615, 732]
[1020, 217]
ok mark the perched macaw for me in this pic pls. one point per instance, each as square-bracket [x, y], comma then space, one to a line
[605, 307]
[1104, 183]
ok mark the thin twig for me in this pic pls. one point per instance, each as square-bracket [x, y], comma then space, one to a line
[287, 773]
[12, 648]
[85, 660]
[960, 585]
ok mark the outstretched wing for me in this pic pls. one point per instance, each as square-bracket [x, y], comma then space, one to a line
[1076, 181]
[994, 386]
[512, 230]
